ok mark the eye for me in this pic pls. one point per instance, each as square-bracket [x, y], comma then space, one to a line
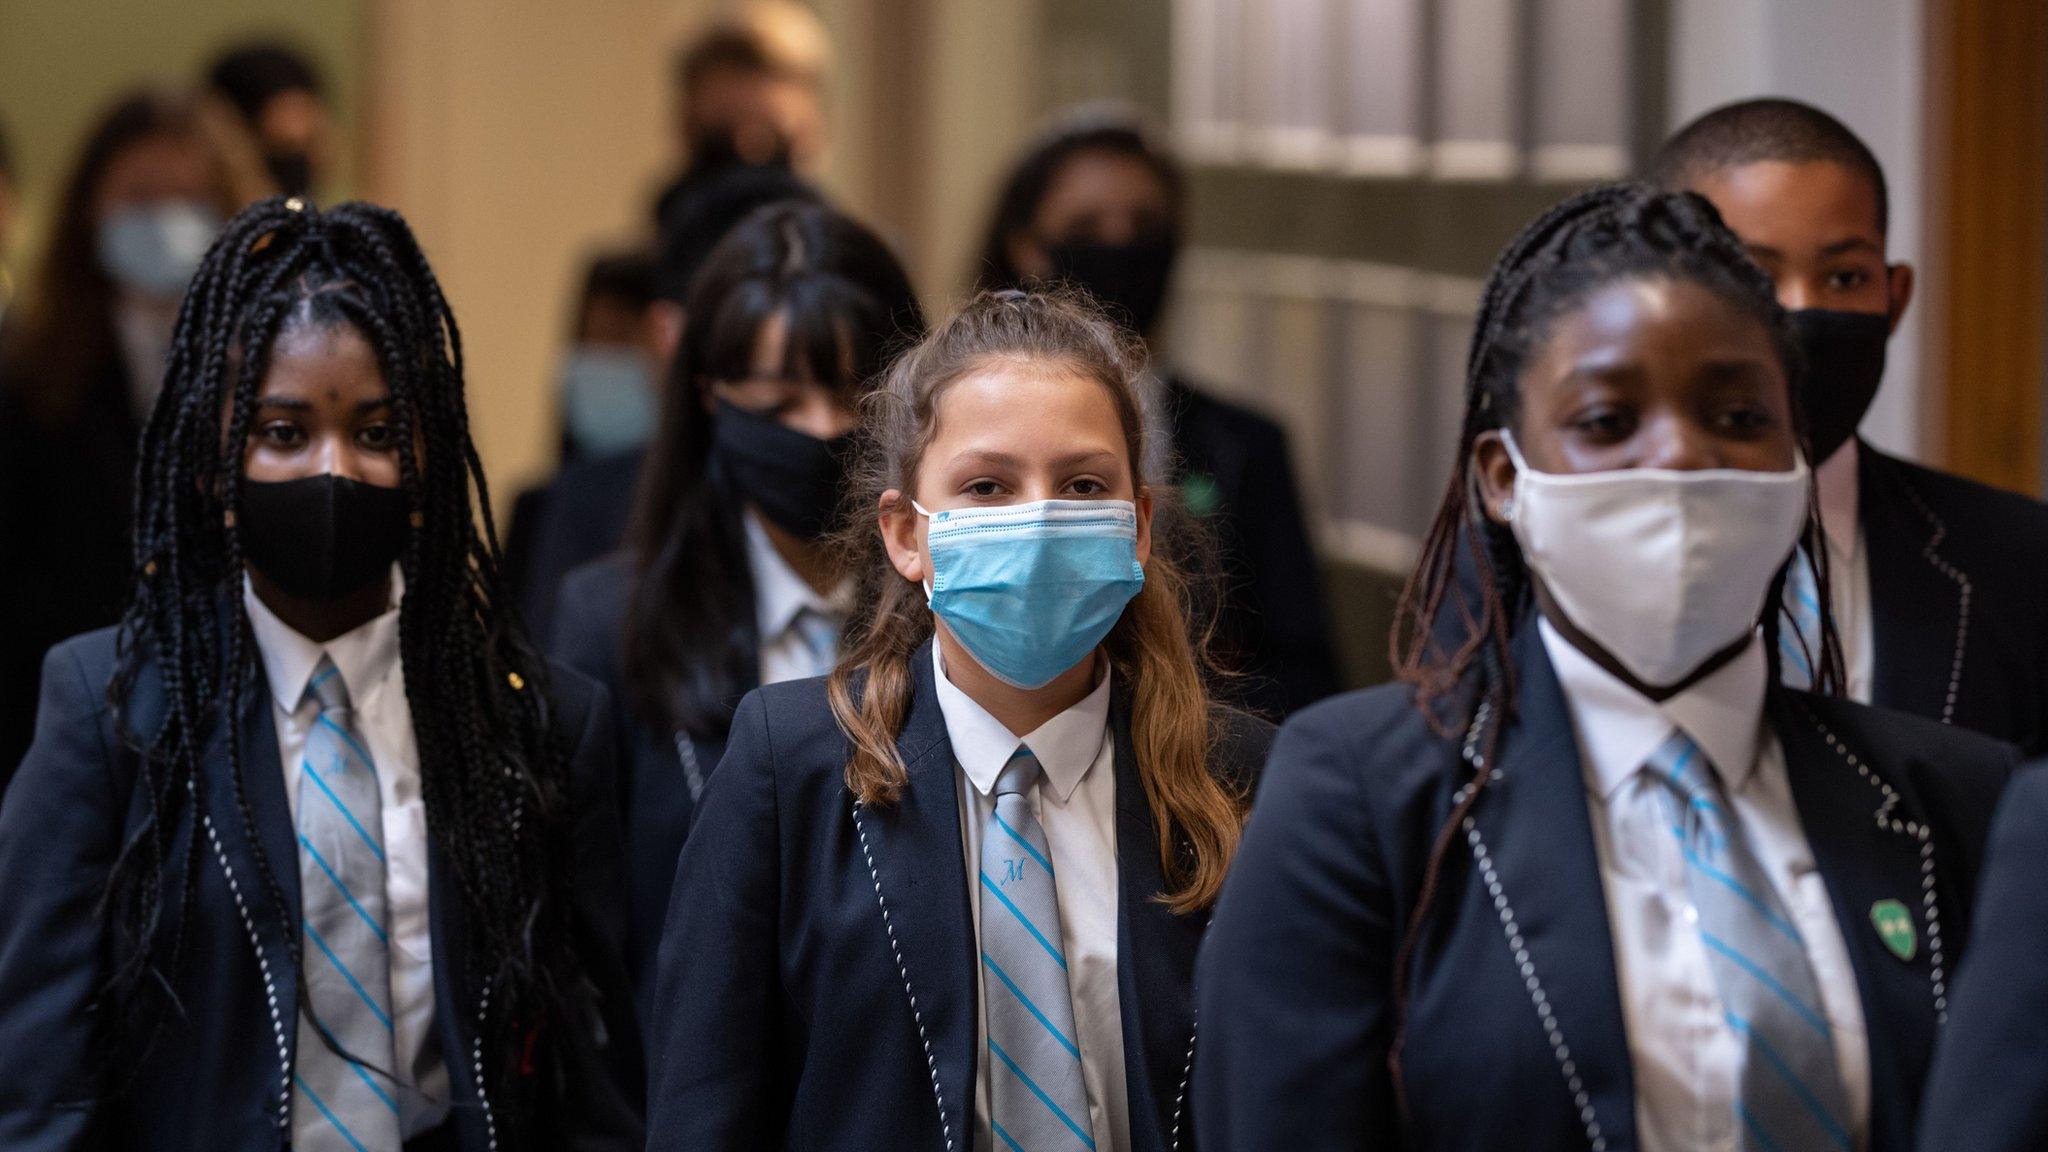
[1606, 425]
[377, 438]
[280, 434]
[983, 489]
[1848, 279]
[1087, 486]
[1746, 419]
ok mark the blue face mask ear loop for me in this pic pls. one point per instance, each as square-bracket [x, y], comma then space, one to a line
[921, 511]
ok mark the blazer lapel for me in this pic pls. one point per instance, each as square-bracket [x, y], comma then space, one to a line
[1532, 843]
[1917, 602]
[912, 848]
[1871, 843]
[1155, 971]
[273, 930]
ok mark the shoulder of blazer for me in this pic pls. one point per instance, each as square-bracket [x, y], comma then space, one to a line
[1242, 742]
[1956, 773]
[575, 697]
[1379, 735]
[1979, 517]
[94, 656]
[1193, 406]
[590, 613]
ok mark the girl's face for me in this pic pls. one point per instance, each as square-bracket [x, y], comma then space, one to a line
[1013, 434]
[787, 394]
[323, 407]
[1647, 373]
[160, 169]
[1097, 196]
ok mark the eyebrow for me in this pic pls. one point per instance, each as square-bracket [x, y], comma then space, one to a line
[1006, 460]
[292, 404]
[1852, 244]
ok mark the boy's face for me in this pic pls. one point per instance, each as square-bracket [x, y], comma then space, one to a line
[1814, 226]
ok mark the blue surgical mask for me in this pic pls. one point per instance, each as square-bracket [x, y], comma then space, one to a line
[155, 248]
[1030, 589]
[607, 398]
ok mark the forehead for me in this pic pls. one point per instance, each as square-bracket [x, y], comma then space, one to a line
[323, 360]
[1795, 205]
[1065, 407]
[1096, 178]
[1655, 321]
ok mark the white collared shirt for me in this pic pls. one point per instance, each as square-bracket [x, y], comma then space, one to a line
[1075, 801]
[779, 595]
[1687, 1061]
[1848, 568]
[369, 662]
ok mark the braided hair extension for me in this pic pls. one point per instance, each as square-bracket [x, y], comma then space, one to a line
[494, 773]
[1460, 666]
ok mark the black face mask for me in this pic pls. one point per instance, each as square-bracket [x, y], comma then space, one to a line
[794, 479]
[1130, 279]
[322, 537]
[292, 171]
[1844, 363]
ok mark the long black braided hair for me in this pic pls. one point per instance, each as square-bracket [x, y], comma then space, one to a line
[1453, 634]
[493, 772]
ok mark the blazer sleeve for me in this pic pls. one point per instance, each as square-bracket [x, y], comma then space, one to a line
[1988, 1090]
[1291, 985]
[607, 1102]
[60, 830]
[716, 1005]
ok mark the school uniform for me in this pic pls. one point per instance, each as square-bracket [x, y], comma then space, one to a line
[662, 772]
[1937, 603]
[225, 1069]
[1234, 472]
[1564, 994]
[1989, 1088]
[829, 977]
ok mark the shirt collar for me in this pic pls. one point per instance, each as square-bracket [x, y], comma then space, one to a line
[779, 593]
[1618, 728]
[1066, 745]
[365, 654]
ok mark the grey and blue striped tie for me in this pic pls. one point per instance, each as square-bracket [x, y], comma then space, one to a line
[1037, 1101]
[1799, 627]
[1791, 1093]
[341, 1104]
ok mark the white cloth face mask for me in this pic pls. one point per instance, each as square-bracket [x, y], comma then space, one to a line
[1661, 568]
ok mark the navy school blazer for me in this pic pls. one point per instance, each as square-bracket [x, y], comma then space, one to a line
[219, 1077]
[1958, 610]
[1989, 1090]
[817, 985]
[1515, 1035]
[661, 773]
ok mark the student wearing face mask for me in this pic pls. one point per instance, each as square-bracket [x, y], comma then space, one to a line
[950, 896]
[725, 582]
[80, 362]
[604, 386]
[1933, 575]
[1590, 875]
[584, 511]
[1099, 204]
[313, 848]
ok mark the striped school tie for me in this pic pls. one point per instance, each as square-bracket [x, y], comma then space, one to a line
[339, 1104]
[1791, 1094]
[1799, 625]
[1036, 1099]
[819, 635]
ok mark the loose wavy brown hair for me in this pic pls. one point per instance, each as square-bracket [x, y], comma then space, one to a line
[1153, 648]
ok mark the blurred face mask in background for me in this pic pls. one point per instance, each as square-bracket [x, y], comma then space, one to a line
[155, 248]
[608, 403]
[1130, 278]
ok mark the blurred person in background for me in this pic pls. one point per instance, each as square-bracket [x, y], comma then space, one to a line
[282, 99]
[727, 581]
[605, 390]
[1099, 203]
[583, 512]
[749, 89]
[82, 359]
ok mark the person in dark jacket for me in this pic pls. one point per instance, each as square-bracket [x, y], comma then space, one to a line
[951, 895]
[313, 849]
[1933, 575]
[1592, 876]
[1099, 204]
[726, 582]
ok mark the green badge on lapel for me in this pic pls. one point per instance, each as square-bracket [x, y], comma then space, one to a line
[1200, 495]
[1895, 927]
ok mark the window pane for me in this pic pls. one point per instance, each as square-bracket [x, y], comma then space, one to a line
[1582, 103]
[1476, 84]
[1381, 111]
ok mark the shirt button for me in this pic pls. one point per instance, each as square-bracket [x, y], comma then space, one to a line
[1692, 914]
